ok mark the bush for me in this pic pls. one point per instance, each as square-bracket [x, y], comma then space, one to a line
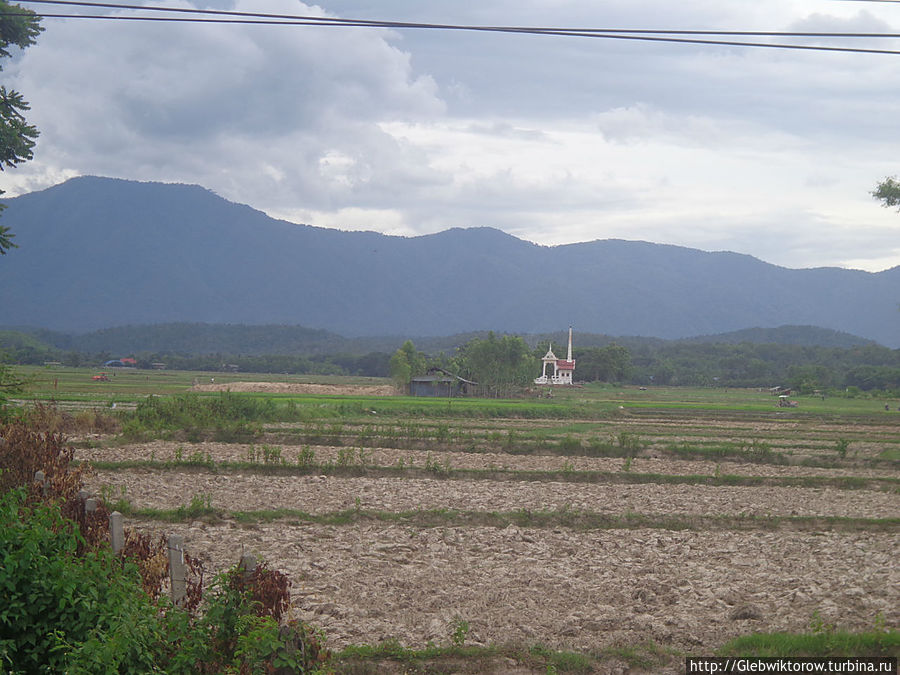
[68, 604]
[63, 611]
[25, 451]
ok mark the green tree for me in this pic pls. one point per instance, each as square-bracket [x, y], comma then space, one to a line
[608, 364]
[888, 192]
[406, 363]
[502, 365]
[18, 28]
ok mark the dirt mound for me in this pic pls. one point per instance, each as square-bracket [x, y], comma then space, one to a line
[300, 388]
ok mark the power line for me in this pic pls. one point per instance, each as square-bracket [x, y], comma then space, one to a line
[647, 35]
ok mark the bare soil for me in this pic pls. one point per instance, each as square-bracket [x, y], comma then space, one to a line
[300, 388]
[328, 494]
[237, 452]
[580, 590]
[575, 590]
[585, 590]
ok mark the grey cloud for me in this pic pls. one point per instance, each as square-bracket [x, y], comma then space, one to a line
[288, 119]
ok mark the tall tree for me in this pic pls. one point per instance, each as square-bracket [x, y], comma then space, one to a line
[19, 27]
[407, 363]
[502, 365]
[609, 364]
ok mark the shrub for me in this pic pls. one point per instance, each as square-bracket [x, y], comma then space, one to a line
[65, 609]
[25, 451]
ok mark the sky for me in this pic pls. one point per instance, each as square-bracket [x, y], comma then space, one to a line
[553, 139]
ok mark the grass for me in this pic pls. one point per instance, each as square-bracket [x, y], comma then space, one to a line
[65, 383]
[200, 508]
[460, 659]
[818, 643]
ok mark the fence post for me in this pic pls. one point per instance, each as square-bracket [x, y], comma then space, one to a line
[247, 565]
[176, 568]
[40, 477]
[116, 531]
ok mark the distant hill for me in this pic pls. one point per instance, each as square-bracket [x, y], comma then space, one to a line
[96, 253]
[200, 339]
[786, 335]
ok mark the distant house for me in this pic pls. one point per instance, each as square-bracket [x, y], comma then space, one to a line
[440, 383]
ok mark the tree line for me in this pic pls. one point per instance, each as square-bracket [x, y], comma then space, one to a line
[503, 363]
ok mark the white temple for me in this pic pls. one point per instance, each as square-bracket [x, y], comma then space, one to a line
[562, 368]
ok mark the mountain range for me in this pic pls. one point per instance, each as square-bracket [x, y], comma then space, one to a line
[95, 253]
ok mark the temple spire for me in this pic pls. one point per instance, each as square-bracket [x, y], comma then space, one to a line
[569, 352]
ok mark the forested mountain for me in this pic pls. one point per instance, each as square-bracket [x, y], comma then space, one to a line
[201, 338]
[95, 253]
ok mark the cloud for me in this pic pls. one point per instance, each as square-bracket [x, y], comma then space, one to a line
[553, 139]
[207, 103]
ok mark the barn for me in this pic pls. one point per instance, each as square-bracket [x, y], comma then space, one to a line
[441, 384]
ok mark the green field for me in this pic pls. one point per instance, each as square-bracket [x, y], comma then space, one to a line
[130, 385]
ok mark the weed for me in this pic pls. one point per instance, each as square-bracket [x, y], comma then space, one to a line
[272, 454]
[459, 631]
[365, 456]
[841, 447]
[306, 457]
[201, 505]
[346, 457]
[433, 466]
[817, 624]
[630, 443]
[197, 458]
[570, 445]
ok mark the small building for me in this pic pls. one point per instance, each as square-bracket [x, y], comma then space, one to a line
[431, 385]
[563, 369]
[440, 383]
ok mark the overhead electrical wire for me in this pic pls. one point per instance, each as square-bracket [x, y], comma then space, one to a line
[648, 35]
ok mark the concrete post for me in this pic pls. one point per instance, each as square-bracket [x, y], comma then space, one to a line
[116, 531]
[247, 564]
[90, 505]
[176, 568]
[40, 477]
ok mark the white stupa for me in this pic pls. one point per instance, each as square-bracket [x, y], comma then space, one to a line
[562, 368]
